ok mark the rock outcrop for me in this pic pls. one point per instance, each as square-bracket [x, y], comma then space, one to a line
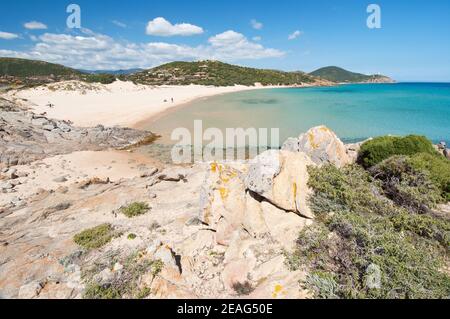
[217, 230]
[281, 178]
[26, 137]
[321, 145]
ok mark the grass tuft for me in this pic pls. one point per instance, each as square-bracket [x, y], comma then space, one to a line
[95, 237]
[135, 209]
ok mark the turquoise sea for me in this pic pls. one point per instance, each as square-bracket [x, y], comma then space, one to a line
[354, 112]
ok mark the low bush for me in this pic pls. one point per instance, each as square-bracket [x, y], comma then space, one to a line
[126, 283]
[96, 291]
[132, 236]
[406, 185]
[364, 245]
[100, 78]
[378, 149]
[243, 289]
[95, 237]
[323, 285]
[438, 168]
[135, 209]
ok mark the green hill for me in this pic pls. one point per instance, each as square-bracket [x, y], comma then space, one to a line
[22, 68]
[218, 74]
[339, 75]
[21, 72]
[24, 72]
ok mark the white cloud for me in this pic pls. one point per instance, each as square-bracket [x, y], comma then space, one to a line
[163, 28]
[92, 51]
[119, 24]
[35, 25]
[257, 38]
[232, 46]
[295, 35]
[256, 25]
[8, 36]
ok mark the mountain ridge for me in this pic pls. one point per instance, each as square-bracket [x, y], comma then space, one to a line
[339, 75]
[17, 71]
[219, 74]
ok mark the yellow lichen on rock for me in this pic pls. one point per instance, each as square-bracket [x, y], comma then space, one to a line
[277, 290]
[223, 193]
[312, 142]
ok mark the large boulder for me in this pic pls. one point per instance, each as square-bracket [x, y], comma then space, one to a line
[222, 197]
[281, 178]
[322, 145]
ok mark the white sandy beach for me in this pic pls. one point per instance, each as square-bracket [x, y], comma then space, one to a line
[120, 103]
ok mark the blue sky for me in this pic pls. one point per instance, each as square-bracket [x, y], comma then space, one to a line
[412, 45]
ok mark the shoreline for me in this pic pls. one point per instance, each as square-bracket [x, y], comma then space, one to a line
[177, 106]
[118, 104]
[149, 120]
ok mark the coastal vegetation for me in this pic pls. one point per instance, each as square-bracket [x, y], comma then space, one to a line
[377, 233]
[102, 78]
[339, 75]
[33, 68]
[23, 72]
[130, 285]
[135, 209]
[420, 156]
[95, 237]
[218, 74]
[243, 289]
[378, 149]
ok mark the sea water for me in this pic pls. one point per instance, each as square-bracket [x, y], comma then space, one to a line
[354, 112]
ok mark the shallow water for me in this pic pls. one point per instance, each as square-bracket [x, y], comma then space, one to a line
[354, 112]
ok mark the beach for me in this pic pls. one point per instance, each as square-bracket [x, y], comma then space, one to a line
[118, 104]
[201, 223]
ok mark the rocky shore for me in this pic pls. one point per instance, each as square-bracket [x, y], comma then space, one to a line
[216, 227]
[121, 227]
[26, 137]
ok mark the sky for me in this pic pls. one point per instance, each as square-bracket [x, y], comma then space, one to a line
[413, 43]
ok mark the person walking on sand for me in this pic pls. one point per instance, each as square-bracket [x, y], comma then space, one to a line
[172, 100]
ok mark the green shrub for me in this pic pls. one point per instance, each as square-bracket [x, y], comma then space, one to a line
[349, 188]
[377, 150]
[438, 168]
[96, 291]
[406, 185]
[425, 226]
[100, 78]
[322, 284]
[135, 209]
[132, 236]
[243, 289]
[359, 229]
[143, 293]
[156, 267]
[126, 283]
[95, 237]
